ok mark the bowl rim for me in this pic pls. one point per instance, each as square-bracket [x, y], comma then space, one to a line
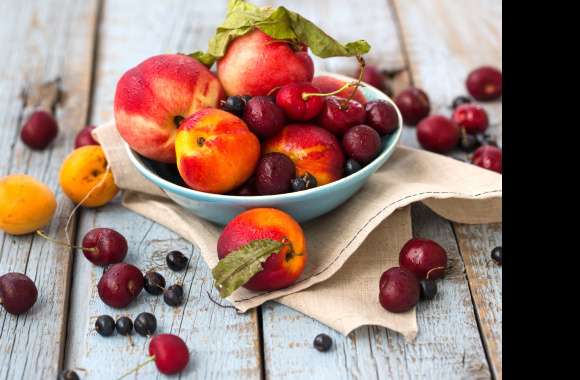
[369, 169]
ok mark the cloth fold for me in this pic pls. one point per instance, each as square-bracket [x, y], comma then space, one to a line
[349, 247]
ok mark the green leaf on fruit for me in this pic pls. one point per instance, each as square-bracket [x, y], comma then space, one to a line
[280, 24]
[239, 266]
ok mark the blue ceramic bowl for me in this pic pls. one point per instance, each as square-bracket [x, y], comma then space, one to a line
[302, 205]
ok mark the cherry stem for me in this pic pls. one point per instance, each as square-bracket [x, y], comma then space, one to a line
[431, 270]
[307, 95]
[362, 65]
[149, 360]
[45, 236]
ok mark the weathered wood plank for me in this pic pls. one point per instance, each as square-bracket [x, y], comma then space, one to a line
[224, 344]
[485, 282]
[45, 42]
[442, 50]
[441, 349]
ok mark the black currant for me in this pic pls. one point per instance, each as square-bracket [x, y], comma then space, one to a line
[459, 101]
[154, 283]
[351, 167]
[322, 342]
[68, 374]
[298, 184]
[124, 325]
[428, 289]
[468, 143]
[173, 296]
[496, 255]
[234, 104]
[176, 261]
[105, 325]
[145, 324]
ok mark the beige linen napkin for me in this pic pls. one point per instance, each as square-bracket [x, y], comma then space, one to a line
[343, 297]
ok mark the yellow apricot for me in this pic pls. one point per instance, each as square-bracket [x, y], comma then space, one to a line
[83, 170]
[26, 204]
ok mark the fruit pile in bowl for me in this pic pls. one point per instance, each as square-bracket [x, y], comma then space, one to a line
[262, 131]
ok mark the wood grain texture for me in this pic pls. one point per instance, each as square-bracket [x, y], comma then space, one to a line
[442, 350]
[48, 64]
[224, 345]
[485, 282]
[444, 41]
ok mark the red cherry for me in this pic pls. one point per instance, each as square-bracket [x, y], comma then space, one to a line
[39, 130]
[17, 293]
[381, 116]
[290, 99]
[399, 290]
[414, 105]
[373, 76]
[438, 133]
[424, 257]
[488, 157]
[170, 352]
[106, 246]
[120, 285]
[484, 83]
[337, 118]
[471, 117]
[263, 116]
[362, 143]
[84, 137]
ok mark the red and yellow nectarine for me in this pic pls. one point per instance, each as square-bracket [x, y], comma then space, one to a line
[216, 152]
[313, 150]
[281, 269]
[155, 96]
[255, 63]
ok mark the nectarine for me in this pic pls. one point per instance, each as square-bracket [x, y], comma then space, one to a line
[280, 270]
[255, 63]
[313, 150]
[155, 96]
[216, 152]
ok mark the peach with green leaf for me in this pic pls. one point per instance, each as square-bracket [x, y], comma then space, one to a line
[259, 49]
[260, 249]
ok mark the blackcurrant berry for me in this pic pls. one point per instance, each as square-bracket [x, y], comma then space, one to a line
[428, 289]
[154, 283]
[468, 143]
[176, 261]
[145, 324]
[68, 374]
[322, 342]
[173, 296]
[124, 325]
[105, 325]
[351, 167]
[459, 101]
[496, 255]
[234, 105]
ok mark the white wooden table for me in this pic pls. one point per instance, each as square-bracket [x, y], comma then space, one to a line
[83, 47]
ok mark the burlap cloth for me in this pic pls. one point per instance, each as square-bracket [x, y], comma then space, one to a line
[343, 297]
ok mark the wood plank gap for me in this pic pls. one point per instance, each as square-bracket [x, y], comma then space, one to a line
[260, 328]
[75, 220]
[402, 43]
[475, 308]
[95, 62]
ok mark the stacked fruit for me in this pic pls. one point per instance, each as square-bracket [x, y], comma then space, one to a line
[278, 135]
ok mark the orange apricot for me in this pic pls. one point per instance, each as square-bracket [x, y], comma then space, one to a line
[84, 174]
[26, 204]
